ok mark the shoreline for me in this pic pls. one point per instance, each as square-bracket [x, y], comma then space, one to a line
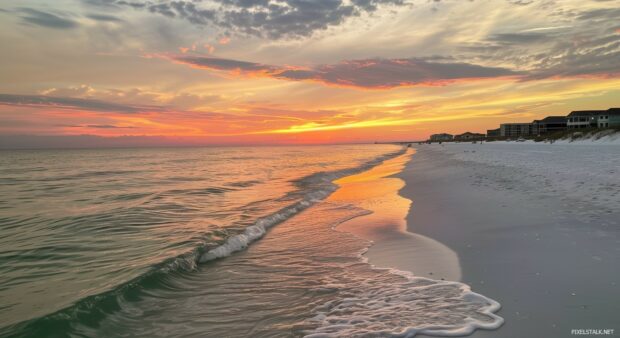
[393, 246]
[422, 261]
[553, 271]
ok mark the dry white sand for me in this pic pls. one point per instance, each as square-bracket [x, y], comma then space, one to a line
[535, 227]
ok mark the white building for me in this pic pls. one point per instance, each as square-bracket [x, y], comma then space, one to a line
[583, 119]
[441, 137]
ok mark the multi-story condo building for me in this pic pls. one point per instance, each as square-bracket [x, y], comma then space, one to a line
[549, 124]
[441, 137]
[583, 119]
[515, 129]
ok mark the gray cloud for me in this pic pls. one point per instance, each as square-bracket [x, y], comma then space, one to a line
[97, 126]
[108, 126]
[518, 38]
[83, 141]
[600, 14]
[599, 56]
[521, 2]
[370, 73]
[224, 64]
[104, 18]
[589, 46]
[264, 18]
[68, 103]
[40, 18]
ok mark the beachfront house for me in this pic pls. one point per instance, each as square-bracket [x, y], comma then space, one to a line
[583, 119]
[469, 137]
[549, 124]
[441, 137]
[609, 118]
[513, 130]
[492, 133]
[578, 119]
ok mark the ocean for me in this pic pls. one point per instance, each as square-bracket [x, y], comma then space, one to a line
[172, 242]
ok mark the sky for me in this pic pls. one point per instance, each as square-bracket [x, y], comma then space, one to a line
[196, 72]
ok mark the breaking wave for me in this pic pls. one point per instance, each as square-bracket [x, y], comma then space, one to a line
[315, 188]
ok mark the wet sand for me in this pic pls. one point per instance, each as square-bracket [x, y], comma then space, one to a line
[393, 246]
[552, 269]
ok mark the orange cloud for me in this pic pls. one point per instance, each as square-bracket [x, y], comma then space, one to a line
[364, 74]
[210, 49]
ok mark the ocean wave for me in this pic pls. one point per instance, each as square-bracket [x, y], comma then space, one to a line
[94, 308]
[315, 188]
[244, 184]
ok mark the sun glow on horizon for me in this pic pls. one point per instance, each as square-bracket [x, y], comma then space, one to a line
[354, 79]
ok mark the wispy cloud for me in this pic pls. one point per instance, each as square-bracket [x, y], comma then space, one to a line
[369, 73]
[541, 29]
[519, 38]
[45, 19]
[104, 18]
[69, 103]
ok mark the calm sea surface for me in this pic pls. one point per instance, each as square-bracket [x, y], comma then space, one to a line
[163, 242]
[78, 223]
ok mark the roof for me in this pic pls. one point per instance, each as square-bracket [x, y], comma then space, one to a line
[585, 113]
[613, 111]
[553, 119]
[469, 133]
[515, 124]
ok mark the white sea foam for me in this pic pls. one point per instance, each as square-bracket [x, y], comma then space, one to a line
[401, 305]
[383, 303]
[252, 233]
[393, 303]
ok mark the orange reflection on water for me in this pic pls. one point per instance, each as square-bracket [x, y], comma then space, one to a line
[376, 190]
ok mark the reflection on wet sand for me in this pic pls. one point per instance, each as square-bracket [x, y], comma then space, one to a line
[393, 247]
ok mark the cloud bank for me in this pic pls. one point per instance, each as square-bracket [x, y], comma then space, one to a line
[263, 18]
[370, 73]
[70, 103]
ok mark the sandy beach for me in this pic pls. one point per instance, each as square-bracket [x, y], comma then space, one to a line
[309, 168]
[534, 226]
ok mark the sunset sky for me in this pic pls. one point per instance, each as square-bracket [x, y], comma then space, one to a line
[297, 71]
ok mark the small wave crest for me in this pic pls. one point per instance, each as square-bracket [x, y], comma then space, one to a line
[252, 233]
[95, 308]
[315, 188]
